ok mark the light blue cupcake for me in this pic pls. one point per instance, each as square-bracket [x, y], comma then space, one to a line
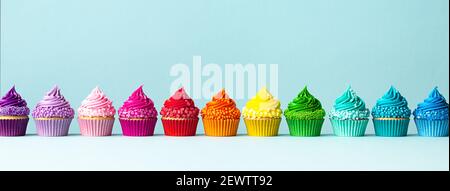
[349, 116]
[391, 115]
[431, 116]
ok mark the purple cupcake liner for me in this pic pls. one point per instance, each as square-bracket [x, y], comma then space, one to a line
[96, 127]
[137, 128]
[53, 127]
[13, 127]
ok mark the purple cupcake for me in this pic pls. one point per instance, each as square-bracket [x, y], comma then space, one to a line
[13, 114]
[53, 114]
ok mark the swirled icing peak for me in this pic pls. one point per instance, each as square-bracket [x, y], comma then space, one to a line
[435, 107]
[96, 104]
[179, 105]
[221, 107]
[263, 105]
[305, 107]
[138, 105]
[391, 105]
[12, 104]
[349, 106]
[53, 105]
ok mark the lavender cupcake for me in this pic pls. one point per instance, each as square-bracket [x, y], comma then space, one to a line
[53, 114]
[13, 114]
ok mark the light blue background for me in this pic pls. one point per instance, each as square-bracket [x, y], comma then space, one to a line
[325, 44]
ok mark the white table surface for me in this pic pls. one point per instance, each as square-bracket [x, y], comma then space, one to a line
[159, 152]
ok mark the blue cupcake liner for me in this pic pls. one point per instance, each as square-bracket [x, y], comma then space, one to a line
[349, 128]
[391, 127]
[432, 128]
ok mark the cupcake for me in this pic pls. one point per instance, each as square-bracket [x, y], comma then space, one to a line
[391, 115]
[179, 115]
[13, 114]
[221, 116]
[349, 116]
[262, 114]
[53, 114]
[96, 114]
[431, 116]
[138, 115]
[305, 115]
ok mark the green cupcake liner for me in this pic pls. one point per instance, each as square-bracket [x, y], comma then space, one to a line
[349, 128]
[305, 128]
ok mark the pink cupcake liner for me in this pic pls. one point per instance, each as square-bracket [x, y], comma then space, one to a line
[137, 128]
[53, 127]
[13, 127]
[96, 127]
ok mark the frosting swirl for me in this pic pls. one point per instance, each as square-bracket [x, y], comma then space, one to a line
[138, 105]
[349, 106]
[96, 104]
[179, 105]
[435, 107]
[305, 107]
[263, 105]
[12, 104]
[391, 105]
[221, 107]
[53, 105]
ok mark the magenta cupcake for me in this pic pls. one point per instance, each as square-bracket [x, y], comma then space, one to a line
[53, 114]
[96, 114]
[13, 114]
[138, 115]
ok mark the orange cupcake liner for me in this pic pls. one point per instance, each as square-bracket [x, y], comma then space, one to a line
[220, 128]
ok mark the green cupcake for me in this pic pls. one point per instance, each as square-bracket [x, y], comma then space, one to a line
[305, 115]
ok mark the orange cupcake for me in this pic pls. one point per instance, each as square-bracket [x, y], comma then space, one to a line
[221, 116]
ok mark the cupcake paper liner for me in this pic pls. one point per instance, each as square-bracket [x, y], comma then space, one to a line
[349, 128]
[391, 128]
[138, 127]
[52, 127]
[180, 127]
[432, 128]
[305, 128]
[96, 127]
[221, 128]
[262, 127]
[13, 127]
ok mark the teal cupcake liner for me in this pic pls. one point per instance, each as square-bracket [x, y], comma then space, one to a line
[432, 128]
[391, 127]
[349, 128]
[305, 128]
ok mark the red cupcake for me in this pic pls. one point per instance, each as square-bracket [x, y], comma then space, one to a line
[179, 115]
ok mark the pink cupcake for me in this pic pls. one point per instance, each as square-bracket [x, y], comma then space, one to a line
[138, 115]
[96, 114]
[179, 115]
[53, 114]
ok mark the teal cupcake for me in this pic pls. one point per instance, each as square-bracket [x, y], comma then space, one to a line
[391, 115]
[431, 116]
[305, 115]
[349, 116]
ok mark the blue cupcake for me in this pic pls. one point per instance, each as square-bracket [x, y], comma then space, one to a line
[349, 116]
[391, 115]
[431, 116]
